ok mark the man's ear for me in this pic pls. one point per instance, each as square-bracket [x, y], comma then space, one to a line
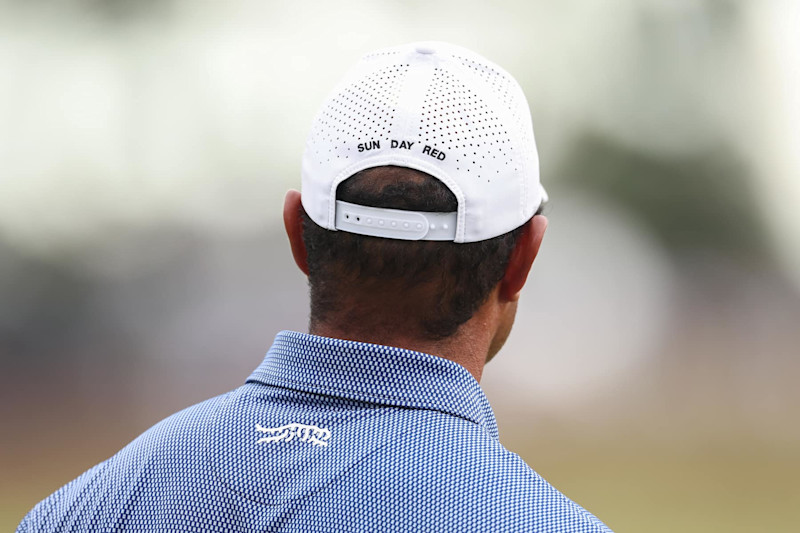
[519, 264]
[293, 222]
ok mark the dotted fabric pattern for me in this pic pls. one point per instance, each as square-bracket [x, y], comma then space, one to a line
[489, 132]
[456, 118]
[363, 109]
[405, 441]
[507, 90]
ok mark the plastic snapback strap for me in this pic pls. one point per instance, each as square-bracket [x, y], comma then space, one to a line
[395, 223]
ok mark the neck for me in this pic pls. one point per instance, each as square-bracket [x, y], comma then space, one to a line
[469, 346]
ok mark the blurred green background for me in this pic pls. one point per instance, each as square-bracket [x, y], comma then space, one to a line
[145, 148]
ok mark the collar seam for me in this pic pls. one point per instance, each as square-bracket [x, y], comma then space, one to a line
[309, 387]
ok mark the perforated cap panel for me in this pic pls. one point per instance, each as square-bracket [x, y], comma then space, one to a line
[363, 109]
[437, 108]
[455, 118]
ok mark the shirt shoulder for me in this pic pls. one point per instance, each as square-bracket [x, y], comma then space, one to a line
[464, 478]
[170, 450]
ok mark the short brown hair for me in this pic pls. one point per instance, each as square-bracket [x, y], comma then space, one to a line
[431, 286]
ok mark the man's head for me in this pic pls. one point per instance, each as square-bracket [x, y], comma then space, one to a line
[420, 186]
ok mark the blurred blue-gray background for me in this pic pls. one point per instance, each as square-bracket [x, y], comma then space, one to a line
[145, 148]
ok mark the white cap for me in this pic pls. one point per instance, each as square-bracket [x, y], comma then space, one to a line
[439, 109]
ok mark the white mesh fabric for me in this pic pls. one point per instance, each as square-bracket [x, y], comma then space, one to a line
[363, 109]
[436, 108]
[506, 89]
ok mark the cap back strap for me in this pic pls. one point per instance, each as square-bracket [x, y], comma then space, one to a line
[395, 223]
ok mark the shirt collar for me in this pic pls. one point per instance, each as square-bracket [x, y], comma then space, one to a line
[374, 373]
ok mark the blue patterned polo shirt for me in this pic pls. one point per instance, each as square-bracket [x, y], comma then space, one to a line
[326, 435]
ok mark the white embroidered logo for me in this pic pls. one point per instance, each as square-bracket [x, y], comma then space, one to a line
[311, 434]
